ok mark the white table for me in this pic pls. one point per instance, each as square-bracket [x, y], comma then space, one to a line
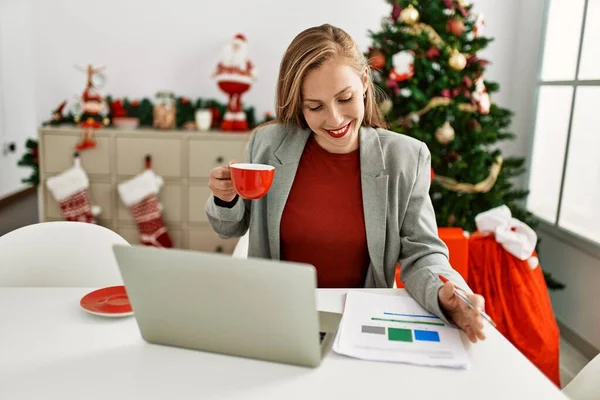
[51, 348]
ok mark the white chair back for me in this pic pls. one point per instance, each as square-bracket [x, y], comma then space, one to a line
[241, 248]
[586, 384]
[59, 254]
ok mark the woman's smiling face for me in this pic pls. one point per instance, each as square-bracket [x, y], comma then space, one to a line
[333, 105]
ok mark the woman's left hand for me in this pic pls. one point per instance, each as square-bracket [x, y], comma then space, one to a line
[465, 317]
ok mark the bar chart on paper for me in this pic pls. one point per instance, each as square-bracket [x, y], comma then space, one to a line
[396, 328]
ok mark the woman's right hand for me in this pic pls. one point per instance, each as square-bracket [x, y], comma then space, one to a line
[220, 183]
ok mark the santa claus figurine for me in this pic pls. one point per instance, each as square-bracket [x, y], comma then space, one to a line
[234, 76]
[481, 97]
[403, 66]
[93, 116]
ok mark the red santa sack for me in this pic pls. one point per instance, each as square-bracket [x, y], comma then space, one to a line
[517, 299]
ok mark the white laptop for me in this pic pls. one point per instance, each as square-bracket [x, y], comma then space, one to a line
[253, 308]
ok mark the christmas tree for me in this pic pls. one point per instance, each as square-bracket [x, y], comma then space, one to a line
[425, 59]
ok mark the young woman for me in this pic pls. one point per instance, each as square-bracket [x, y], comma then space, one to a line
[349, 197]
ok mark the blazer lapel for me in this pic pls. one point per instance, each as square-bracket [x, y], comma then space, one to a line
[374, 180]
[288, 157]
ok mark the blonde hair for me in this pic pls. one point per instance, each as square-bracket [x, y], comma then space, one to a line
[308, 51]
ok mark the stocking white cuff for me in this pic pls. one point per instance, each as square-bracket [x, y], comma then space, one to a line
[69, 182]
[136, 189]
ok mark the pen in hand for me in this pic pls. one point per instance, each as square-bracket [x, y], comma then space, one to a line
[464, 298]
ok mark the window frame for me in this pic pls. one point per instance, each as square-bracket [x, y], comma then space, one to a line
[554, 229]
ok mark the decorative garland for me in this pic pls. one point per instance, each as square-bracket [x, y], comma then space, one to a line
[143, 110]
[420, 27]
[481, 187]
[437, 102]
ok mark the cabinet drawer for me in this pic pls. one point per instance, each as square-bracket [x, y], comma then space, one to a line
[166, 156]
[58, 150]
[208, 154]
[169, 197]
[99, 194]
[197, 200]
[132, 235]
[205, 239]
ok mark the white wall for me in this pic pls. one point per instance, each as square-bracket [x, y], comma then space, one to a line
[500, 25]
[577, 306]
[174, 45]
[528, 46]
[506, 64]
[17, 88]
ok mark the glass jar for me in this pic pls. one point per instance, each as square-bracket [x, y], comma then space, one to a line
[164, 113]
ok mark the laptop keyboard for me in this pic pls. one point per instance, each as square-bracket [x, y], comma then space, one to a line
[322, 335]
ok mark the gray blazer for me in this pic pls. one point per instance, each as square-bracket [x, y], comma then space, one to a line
[399, 217]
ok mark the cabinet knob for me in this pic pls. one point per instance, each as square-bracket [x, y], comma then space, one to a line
[219, 249]
[220, 160]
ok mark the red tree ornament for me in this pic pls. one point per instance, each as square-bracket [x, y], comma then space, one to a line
[456, 26]
[376, 59]
[432, 53]
[396, 12]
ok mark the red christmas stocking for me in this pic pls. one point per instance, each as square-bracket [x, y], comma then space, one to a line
[140, 195]
[69, 189]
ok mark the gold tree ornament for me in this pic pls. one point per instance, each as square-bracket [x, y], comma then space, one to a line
[386, 106]
[457, 61]
[445, 133]
[409, 15]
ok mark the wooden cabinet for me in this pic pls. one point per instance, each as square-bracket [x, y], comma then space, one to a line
[197, 195]
[205, 239]
[166, 155]
[183, 159]
[58, 155]
[204, 155]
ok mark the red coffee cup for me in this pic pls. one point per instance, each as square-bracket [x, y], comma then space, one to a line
[252, 181]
